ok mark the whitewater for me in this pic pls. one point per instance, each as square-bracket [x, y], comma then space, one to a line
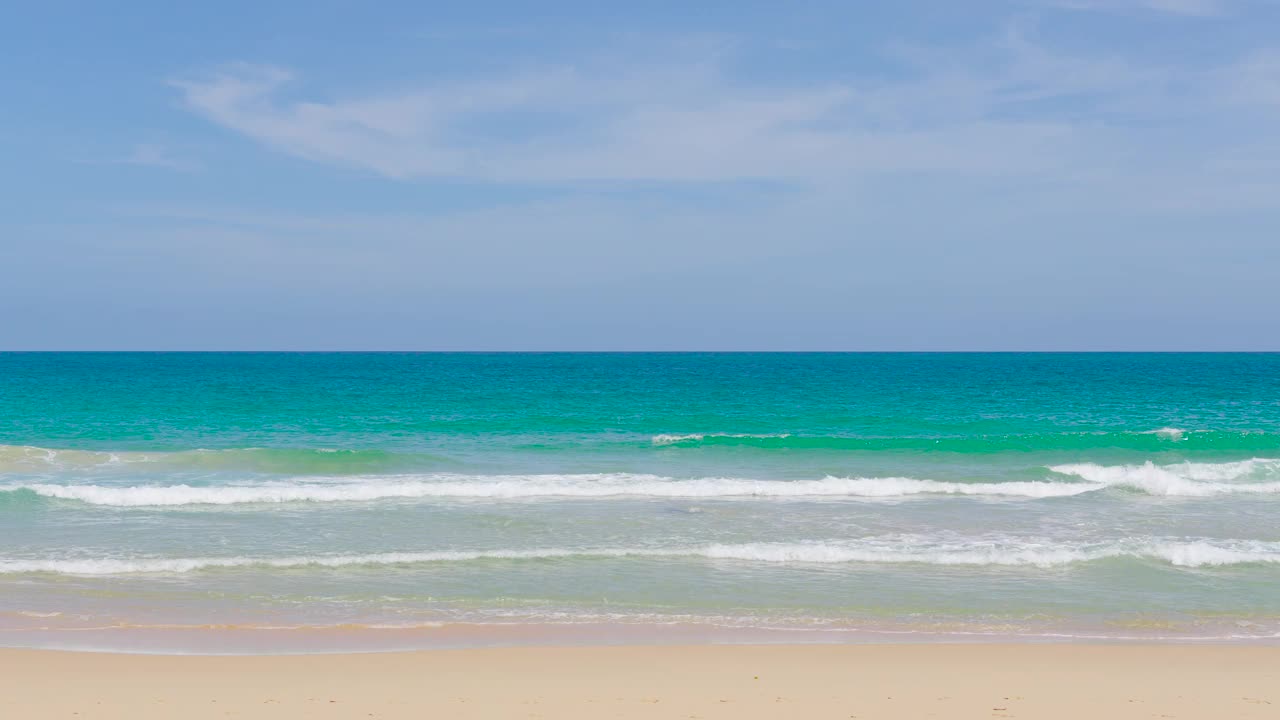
[1180, 480]
[1039, 553]
[985, 495]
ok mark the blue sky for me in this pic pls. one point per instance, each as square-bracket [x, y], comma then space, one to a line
[1028, 174]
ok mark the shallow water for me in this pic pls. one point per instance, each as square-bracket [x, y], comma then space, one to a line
[715, 495]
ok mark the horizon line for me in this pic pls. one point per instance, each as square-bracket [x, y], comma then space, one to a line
[371, 351]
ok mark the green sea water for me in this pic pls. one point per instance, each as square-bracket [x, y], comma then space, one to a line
[257, 501]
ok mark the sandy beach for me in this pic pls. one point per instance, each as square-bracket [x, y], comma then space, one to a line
[850, 681]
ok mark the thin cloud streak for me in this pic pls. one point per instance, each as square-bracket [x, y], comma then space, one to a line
[1010, 107]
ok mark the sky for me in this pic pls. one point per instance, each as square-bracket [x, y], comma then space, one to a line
[915, 175]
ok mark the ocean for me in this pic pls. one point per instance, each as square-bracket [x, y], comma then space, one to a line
[302, 502]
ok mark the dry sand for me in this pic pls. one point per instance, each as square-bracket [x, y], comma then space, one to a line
[741, 682]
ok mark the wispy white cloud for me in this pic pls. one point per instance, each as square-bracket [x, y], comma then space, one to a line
[1008, 107]
[658, 121]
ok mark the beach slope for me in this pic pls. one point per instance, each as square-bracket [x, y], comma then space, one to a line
[846, 681]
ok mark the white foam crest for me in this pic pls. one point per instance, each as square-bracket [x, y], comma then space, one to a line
[120, 566]
[1035, 554]
[900, 487]
[665, 439]
[536, 486]
[1183, 479]
[1201, 554]
[1225, 470]
[1169, 433]
[25, 457]
[672, 439]
[976, 552]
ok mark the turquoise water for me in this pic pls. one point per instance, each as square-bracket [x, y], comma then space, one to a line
[180, 501]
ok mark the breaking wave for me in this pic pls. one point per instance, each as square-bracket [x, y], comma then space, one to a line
[1183, 479]
[887, 550]
[29, 458]
[1156, 440]
[726, 438]
[537, 486]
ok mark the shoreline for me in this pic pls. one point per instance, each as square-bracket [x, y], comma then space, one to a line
[235, 640]
[705, 681]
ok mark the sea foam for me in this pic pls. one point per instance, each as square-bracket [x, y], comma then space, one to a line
[1169, 433]
[1255, 476]
[605, 485]
[670, 439]
[1183, 479]
[976, 552]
